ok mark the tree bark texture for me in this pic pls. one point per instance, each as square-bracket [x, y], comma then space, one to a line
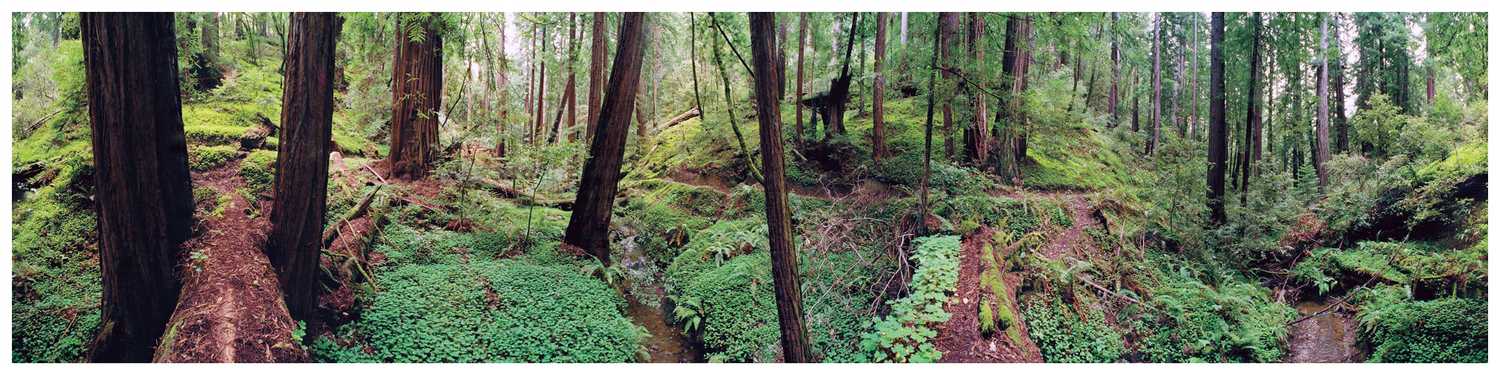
[1217, 134]
[417, 93]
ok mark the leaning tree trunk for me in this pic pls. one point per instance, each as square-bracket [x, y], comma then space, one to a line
[297, 213]
[877, 115]
[142, 188]
[597, 53]
[416, 94]
[794, 345]
[1218, 151]
[588, 227]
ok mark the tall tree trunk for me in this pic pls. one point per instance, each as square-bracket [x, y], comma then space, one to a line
[949, 26]
[1114, 60]
[1155, 87]
[1009, 136]
[838, 90]
[302, 160]
[1218, 135]
[597, 54]
[1320, 155]
[877, 116]
[1252, 114]
[142, 189]
[975, 141]
[903, 29]
[571, 91]
[794, 345]
[530, 99]
[210, 37]
[1340, 123]
[565, 101]
[923, 206]
[1193, 120]
[781, 59]
[588, 227]
[801, 84]
[502, 84]
[537, 127]
[417, 94]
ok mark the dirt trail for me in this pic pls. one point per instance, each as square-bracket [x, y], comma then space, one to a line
[230, 309]
[1073, 241]
[1328, 336]
[959, 338]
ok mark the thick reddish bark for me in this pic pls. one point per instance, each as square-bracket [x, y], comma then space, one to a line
[297, 214]
[588, 227]
[948, 26]
[1009, 133]
[597, 53]
[416, 93]
[1218, 151]
[794, 345]
[976, 142]
[142, 189]
[877, 116]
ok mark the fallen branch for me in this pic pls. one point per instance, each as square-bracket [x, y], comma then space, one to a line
[359, 210]
[691, 113]
[511, 193]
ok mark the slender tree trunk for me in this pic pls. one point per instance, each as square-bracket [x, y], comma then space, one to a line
[588, 227]
[1339, 122]
[417, 94]
[1114, 60]
[502, 84]
[597, 54]
[801, 84]
[1155, 87]
[531, 82]
[142, 189]
[571, 91]
[302, 160]
[1320, 155]
[1193, 120]
[1252, 114]
[1218, 135]
[877, 116]
[734, 124]
[949, 26]
[923, 205]
[537, 128]
[781, 59]
[794, 346]
[565, 102]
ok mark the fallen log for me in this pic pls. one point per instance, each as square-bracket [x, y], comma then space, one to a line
[508, 192]
[691, 113]
[230, 309]
[255, 136]
[358, 211]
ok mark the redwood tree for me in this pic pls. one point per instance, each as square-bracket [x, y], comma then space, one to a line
[948, 26]
[794, 345]
[416, 92]
[1218, 136]
[1155, 87]
[302, 159]
[142, 190]
[801, 47]
[1320, 154]
[588, 227]
[597, 54]
[976, 144]
[1252, 114]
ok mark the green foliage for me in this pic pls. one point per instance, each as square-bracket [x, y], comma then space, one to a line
[1195, 322]
[1442, 330]
[1015, 216]
[203, 158]
[905, 169]
[906, 334]
[1380, 125]
[1415, 266]
[506, 311]
[1066, 336]
[259, 170]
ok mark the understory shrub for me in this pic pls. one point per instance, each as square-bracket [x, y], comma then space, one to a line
[1065, 336]
[905, 335]
[1399, 329]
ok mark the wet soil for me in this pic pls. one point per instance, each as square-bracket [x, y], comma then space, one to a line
[1326, 335]
[667, 343]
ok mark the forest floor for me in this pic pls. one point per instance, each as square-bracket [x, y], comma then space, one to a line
[230, 308]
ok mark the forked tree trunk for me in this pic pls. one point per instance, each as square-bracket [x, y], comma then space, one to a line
[142, 189]
[794, 345]
[877, 116]
[297, 213]
[416, 95]
[1217, 134]
[588, 227]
